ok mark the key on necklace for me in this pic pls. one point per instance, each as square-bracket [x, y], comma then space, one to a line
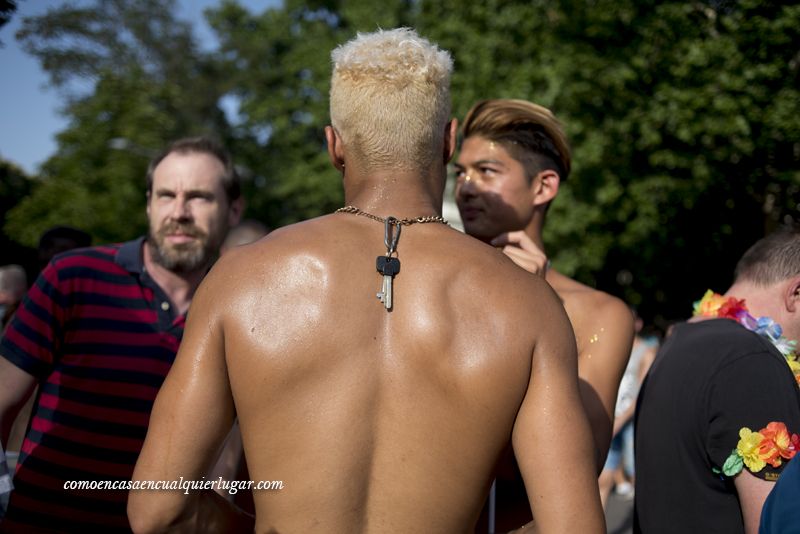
[388, 266]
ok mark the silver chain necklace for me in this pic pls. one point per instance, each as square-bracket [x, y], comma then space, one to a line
[389, 265]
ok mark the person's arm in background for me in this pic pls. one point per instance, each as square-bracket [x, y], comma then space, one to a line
[752, 493]
[16, 387]
[644, 365]
[227, 465]
[28, 345]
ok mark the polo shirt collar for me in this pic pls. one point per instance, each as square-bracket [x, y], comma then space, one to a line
[131, 256]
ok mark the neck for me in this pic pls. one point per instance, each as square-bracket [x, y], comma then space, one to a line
[760, 301]
[534, 229]
[401, 194]
[179, 287]
[769, 301]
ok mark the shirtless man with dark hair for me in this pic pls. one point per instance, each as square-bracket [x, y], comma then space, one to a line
[378, 414]
[513, 159]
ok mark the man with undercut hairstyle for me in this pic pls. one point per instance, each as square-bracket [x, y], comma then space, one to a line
[98, 332]
[718, 415]
[513, 158]
[365, 374]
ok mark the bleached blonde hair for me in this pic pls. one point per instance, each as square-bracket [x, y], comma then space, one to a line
[390, 98]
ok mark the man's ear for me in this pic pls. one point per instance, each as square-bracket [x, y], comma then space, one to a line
[335, 148]
[450, 138]
[791, 296]
[545, 186]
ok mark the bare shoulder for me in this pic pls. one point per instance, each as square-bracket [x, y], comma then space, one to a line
[248, 267]
[497, 270]
[512, 294]
[277, 246]
[591, 311]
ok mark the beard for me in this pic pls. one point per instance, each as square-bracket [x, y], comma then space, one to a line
[182, 257]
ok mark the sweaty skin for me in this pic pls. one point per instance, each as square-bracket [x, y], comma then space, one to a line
[375, 421]
[603, 328]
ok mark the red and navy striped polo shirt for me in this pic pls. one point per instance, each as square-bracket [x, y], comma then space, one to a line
[99, 335]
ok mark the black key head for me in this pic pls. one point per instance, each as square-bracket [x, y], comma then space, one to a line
[391, 266]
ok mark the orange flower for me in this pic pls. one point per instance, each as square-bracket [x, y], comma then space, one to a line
[777, 444]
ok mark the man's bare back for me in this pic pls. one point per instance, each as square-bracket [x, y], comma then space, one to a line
[376, 419]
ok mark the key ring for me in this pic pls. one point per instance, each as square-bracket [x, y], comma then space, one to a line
[390, 238]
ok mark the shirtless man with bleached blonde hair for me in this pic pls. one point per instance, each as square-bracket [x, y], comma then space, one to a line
[379, 414]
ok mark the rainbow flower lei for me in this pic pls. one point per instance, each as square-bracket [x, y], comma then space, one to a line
[715, 305]
[770, 445]
[773, 443]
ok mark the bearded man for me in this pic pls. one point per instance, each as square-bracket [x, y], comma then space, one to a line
[98, 332]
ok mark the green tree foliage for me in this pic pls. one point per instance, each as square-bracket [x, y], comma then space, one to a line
[14, 184]
[683, 117]
[130, 72]
[686, 148]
